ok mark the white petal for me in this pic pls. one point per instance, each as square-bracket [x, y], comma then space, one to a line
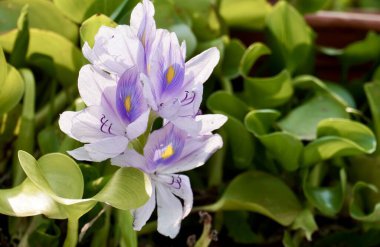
[142, 22]
[65, 122]
[80, 154]
[92, 83]
[169, 211]
[201, 66]
[210, 122]
[126, 49]
[194, 154]
[107, 148]
[183, 49]
[130, 158]
[99, 56]
[180, 186]
[148, 92]
[142, 214]
[187, 124]
[138, 127]
[95, 123]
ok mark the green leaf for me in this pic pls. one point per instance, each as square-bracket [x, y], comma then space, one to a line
[372, 91]
[242, 145]
[261, 193]
[20, 48]
[3, 69]
[284, 147]
[329, 200]
[248, 14]
[268, 92]
[291, 37]
[90, 27]
[53, 45]
[239, 229]
[358, 209]
[42, 14]
[86, 8]
[46, 234]
[362, 51]
[11, 91]
[233, 53]
[250, 56]
[337, 138]
[302, 121]
[306, 222]
[228, 104]
[311, 5]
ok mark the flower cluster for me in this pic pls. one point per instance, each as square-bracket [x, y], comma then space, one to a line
[138, 73]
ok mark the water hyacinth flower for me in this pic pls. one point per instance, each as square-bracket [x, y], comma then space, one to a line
[116, 114]
[174, 88]
[168, 151]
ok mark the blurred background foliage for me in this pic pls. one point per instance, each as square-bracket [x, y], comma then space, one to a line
[300, 165]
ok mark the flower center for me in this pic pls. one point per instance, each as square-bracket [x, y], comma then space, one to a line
[168, 152]
[170, 75]
[127, 103]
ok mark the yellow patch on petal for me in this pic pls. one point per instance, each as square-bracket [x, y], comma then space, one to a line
[127, 103]
[168, 152]
[170, 75]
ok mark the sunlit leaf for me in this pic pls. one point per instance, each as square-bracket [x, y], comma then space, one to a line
[42, 14]
[372, 91]
[66, 56]
[80, 12]
[337, 138]
[268, 92]
[90, 27]
[261, 193]
[302, 121]
[249, 14]
[11, 91]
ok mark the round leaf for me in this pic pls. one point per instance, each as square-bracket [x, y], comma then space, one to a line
[261, 193]
[90, 27]
[11, 91]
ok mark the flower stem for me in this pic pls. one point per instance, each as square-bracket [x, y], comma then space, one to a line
[72, 233]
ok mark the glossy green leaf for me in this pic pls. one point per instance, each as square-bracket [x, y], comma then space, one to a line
[54, 173]
[268, 92]
[329, 200]
[3, 68]
[42, 14]
[302, 121]
[311, 5]
[284, 147]
[20, 47]
[11, 91]
[227, 103]
[261, 193]
[372, 91]
[337, 138]
[291, 37]
[90, 27]
[358, 210]
[250, 56]
[80, 12]
[66, 56]
[305, 221]
[362, 51]
[242, 145]
[231, 59]
[249, 14]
